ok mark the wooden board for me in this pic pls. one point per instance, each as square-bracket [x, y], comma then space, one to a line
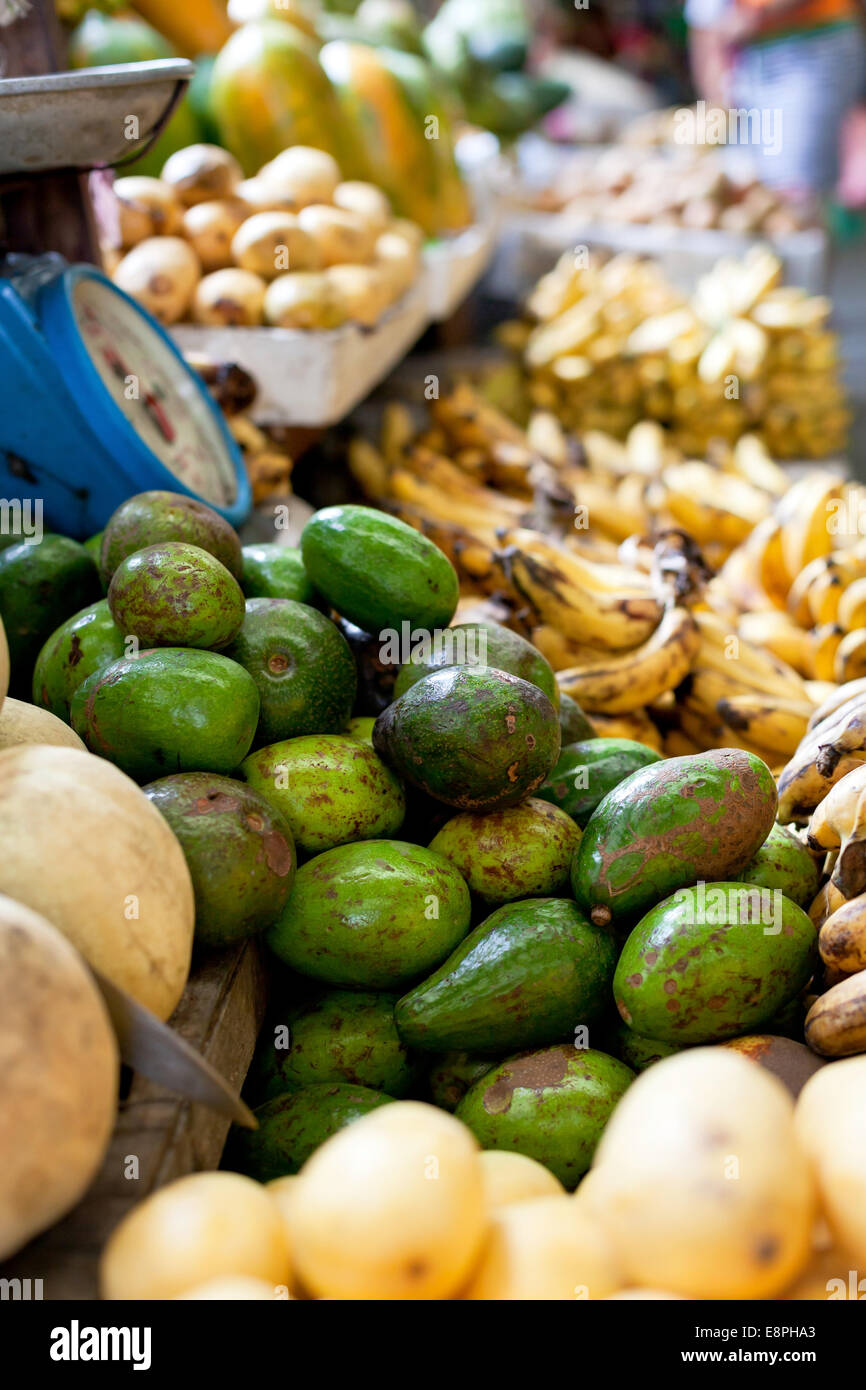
[158, 1137]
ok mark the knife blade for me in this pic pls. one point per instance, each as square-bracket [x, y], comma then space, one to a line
[149, 1046]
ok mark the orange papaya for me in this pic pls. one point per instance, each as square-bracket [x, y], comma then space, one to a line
[193, 26]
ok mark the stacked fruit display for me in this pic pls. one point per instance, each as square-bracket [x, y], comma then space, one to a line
[294, 247]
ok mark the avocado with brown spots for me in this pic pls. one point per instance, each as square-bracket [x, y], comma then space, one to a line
[238, 849]
[378, 914]
[86, 642]
[343, 1036]
[712, 961]
[532, 973]
[586, 771]
[551, 1105]
[292, 1126]
[522, 851]
[176, 595]
[175, 709]
[470, 736]
[452, 1074]
[784, 862]
[573, 723]
[639, 1052]
[792, 1062]
[331, 789]
[41, 585]
[150, 518]
[697, 817]
[302, 666]
[479, 644]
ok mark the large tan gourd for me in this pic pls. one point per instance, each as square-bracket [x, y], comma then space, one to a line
[58, 1076]
[83, 845]
[22, 723]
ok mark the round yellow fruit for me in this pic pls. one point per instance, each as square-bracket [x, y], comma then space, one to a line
[305, 174]
[830, 1120]
[700, 1182]
[236, 1288]
[361, 291]
[303, 299]
[161, 273]
[210, 227]
[229, 298]
[546, 1248]
[58, 1076]
[271, 243]
[636, 1295]
[365, 199]
[23, 723]
[85, 847]
[202, 173]
[205, 1226]
[397, 260]
[341, 238]
[513, 1177]
[391, 1207]
[146, 207]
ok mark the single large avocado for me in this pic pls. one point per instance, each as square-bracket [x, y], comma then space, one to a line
[473, 737]
[41, 585]
[86, 642]
[302, 668]
[784, 862]
[342, 1036]
[175, 709]
[713, 961]
[587, 771]
[292, 1126]
[176, 595]
[276, 571]
[452, 1074]
[551, 1105]
[573, 722]
[697, 817]
[374, 915]
[151, 518]
[238, 849]
[330, 788]
[478, 644]
[378, 572]
[532, 973]
[523, 851]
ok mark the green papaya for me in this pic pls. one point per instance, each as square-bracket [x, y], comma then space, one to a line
[86, 642]
[713, 961]
[551, 1105]
[378, 914]
[151, 518]
[292, 1126]
[697, 817]
[479, 644]
[475, 738]
[176, 595]
[784, 862]
[587, 771]
[41, 585]
[276, 571]
[532, 973]
[523, 851]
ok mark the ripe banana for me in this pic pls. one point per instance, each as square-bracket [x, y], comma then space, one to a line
[766, 721]
[804, 513]
[839, 822]
[840, 695]
[842, 936]
[852, 605]
[635, 678]
[802, 787]
[826, 901]
[836, 1022]
[738, 660]
[636, 725]
[849, 663]
[775, 631]
[825, 644]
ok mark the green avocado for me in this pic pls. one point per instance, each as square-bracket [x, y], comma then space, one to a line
[276, 571]
[292, 1126]
[301, 665]
[452, 1074]
[784, 862]
[238, 849]
[176, 595]
[479, 644]
[330, 788]
[587, 771]
[639, 1052]
[151, 518]
[473, 737]
[41, 585]
[697, 817]
[551, 1105]
[713, 961]
[378, 572]
[531, 974]
[572, 721]
[175, 709]
[378, 914]
[361, 729]
[343, 1037]
[86, 642]
[523, 851]
[93, 546]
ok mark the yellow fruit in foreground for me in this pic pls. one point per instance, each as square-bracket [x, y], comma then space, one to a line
[545, 1248]
[635, 1295]
[830, 1119]
[512, 1177]
[235, 1289]
[392, 1207]
[699, 1180]
[202, 1227]
[23, 723]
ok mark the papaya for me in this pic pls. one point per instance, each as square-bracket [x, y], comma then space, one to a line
[292, 1126]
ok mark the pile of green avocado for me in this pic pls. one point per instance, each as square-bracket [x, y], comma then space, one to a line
[467, 896]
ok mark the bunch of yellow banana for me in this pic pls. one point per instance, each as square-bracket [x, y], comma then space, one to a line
[834, 745]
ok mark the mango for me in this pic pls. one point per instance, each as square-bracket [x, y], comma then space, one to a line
[373, 915]
[473, 737]
[294, 1125]
[176, 595]
[713, 961]
[86, 642]
[702, 816]
[783, 862]
[586, 771]
[479, 644]
[151, 518]
[551, 1105]
[523, 851]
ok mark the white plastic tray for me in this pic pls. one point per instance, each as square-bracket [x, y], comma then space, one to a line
[454, 267]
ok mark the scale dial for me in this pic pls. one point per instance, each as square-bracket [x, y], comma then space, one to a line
[162, 403]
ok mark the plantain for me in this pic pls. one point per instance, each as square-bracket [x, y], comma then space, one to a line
[635, 725]
[842, 936]
[839, 696]
[775, 631]
[849, 663]
[767, 722]
[804, 513]
[827, 900]
[825, 642]
[851, 612]
[636, 678]
[839, 823]
[836, 1023]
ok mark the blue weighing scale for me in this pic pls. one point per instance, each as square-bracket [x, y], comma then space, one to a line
[97, 403]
